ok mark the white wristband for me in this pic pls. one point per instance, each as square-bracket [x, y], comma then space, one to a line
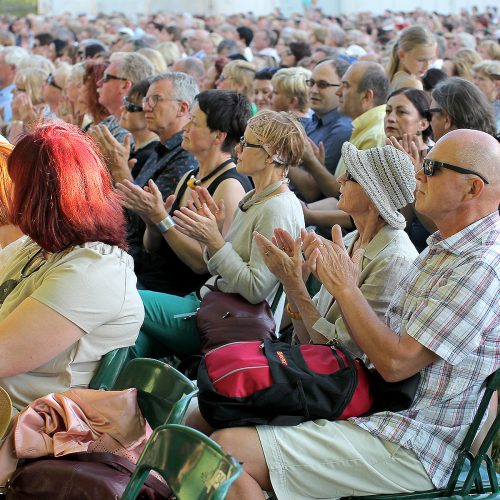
[165, 224]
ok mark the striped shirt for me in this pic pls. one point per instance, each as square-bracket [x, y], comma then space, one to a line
[450, 303]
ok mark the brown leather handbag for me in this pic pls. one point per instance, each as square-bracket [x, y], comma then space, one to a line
[80, 476]
[228, 317]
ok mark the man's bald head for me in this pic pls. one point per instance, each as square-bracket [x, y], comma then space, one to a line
[471, 149]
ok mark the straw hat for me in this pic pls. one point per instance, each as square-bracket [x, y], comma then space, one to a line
[5, 411]
[386, 175]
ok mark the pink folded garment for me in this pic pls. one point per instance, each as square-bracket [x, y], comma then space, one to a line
[73, 421]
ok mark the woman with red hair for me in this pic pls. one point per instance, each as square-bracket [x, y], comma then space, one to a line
[89, 98]
[68, 294]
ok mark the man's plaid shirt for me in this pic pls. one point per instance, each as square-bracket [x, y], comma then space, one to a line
[450, 303]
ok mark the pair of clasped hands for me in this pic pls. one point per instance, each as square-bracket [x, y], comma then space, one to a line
[292, 260]
[202, 219]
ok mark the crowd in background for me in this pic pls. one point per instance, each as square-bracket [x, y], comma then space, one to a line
[50, 68]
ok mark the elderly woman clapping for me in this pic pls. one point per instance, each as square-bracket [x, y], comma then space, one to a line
[377, 183]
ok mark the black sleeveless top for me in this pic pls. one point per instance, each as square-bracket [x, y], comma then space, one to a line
[162, 270]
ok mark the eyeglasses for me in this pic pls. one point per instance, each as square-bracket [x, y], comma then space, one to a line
[244, 144]
[349, 177]
[430, 166]
[152, 100]
[321, 84]
[130, 107]
[107, 77]
[433, 110]
[52, 82]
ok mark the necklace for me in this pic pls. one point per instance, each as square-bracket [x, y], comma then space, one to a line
[193, 181]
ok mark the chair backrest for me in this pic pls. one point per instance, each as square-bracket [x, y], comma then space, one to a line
[109, 368]
[5, 411]
[474, 477]
[193, 465]
[163, 393]
[113, 362]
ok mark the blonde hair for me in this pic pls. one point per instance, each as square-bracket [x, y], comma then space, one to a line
[463, 61]
[242, 73]
[156, 58]
[492, 49]
[281, 135]
[31, 80]
[410, 38]
[5, 182]
[35, 61]
[292, 83]
[63, 72]
[487, 68]
[169, 51]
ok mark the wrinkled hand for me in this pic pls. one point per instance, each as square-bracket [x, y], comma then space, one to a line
[115, 154]
[334, 267]
[286, 262]
[199, 196]
[147, 202]
[413, 146]
[313, 152]
[200, 225]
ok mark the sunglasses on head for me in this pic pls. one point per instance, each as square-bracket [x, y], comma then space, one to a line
[52, 82]
[430, 166]
[130, 107]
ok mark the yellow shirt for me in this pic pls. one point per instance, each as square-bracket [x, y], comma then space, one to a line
[367, 132]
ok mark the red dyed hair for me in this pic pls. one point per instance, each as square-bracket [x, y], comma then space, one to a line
[63, 195]
[94, 71]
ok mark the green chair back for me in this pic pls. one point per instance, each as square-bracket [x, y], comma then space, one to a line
[113, 362]
[163, 393]
[473, 484]
[194, 466]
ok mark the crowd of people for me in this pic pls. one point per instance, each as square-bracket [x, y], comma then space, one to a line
[145, 162]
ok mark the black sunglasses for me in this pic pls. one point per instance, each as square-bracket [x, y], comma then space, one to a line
[107, 77]
[430, 167]
[433, 110]
[349, 177]
[52, 82]
[130, 107]
[321, 84]
[244, 144]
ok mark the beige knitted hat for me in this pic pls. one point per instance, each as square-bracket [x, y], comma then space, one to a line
[5, 411]
[387, 177]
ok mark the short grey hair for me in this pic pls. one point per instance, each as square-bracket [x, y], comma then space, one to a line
[14, 55]
[375, 79]
[184, 86]
[133, 66]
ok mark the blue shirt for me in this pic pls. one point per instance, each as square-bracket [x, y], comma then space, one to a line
[333, 129]
[6, 102]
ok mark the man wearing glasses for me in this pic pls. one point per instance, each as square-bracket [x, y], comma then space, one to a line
[327, 126]
[443, 322]
[125, 70]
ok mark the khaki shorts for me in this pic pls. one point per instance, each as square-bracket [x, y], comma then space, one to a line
[328, 460]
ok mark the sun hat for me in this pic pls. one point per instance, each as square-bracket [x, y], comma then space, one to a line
[5, 411]
[387, 177]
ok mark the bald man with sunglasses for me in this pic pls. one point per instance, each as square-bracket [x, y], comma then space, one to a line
[443, 322]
